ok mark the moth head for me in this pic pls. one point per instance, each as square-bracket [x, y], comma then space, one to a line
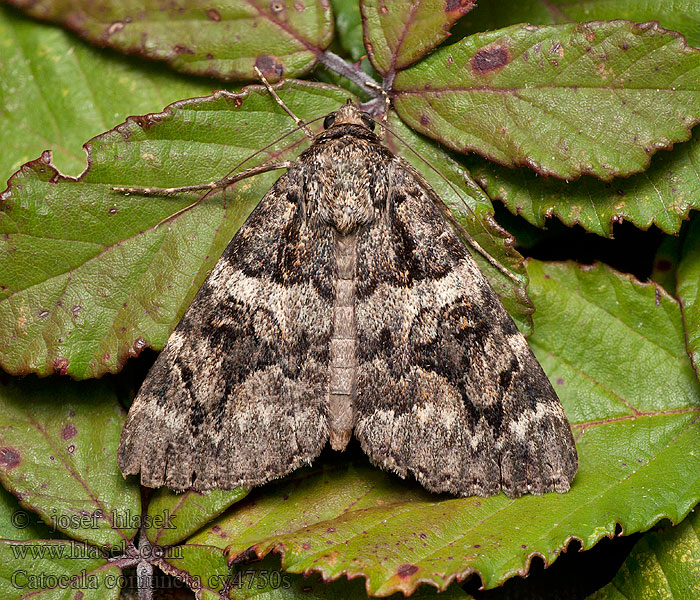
[349, 114]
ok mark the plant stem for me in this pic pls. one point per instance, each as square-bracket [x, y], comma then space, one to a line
[345, 69]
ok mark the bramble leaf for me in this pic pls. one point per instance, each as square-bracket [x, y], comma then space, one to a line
[663, 195]
[172, 517]
[58, 444]
[565, 100]
[52, 569]
[401, 32]
[52, 99]
[226, 40]
[679, 15]
[664, 564]
[205, 568]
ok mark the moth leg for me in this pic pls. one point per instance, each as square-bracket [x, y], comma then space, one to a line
[279, 101]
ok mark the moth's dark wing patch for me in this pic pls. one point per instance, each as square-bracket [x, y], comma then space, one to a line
[238, 395]
[447, 388]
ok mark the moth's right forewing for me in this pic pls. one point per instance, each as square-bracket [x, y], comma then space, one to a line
[238, 396]
[447, 387]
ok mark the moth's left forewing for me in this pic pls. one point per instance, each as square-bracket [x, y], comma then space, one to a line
[447, 387]
[238, 394]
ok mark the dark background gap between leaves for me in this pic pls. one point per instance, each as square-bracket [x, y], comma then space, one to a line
[632, 251]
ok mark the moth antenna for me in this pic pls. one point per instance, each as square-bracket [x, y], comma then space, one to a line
[472, 242]
[279, 101]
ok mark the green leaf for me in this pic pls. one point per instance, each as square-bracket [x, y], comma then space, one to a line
[664, 564]
[226, 40]
[55, 570]
[17, 523]
[205, 568]
[565, 100]
[58, 235]
[172, 517]
[348, 22]
[688, 289]
[399, 33]
[472, 209]
[58, 445]
[52, 98]
[662, 196]
[637, 424]
[679, 15]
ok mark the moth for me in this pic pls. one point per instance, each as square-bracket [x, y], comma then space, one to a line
[346, 305]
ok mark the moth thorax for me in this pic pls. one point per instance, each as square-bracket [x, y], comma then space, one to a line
[347, 202]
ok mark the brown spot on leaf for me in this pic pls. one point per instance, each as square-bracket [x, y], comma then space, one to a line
[306, 546]
[60, 366]
[115, 27]
[43, 314]
[214, 15]
[490, 59]
[179, 49]
[460, 6]
[68, 432]
[76, 310]
[210, 56]
[9, 458]
[383, 9]
[299, 6]
[71, 449]
[237, 101]
[269, 65]
[406, 571]
[560, 381]
[113, 211]
[276, 6]
[424, 120]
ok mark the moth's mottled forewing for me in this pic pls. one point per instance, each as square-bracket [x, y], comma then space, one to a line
[238, 394]
[447, 387]
[347, 304]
